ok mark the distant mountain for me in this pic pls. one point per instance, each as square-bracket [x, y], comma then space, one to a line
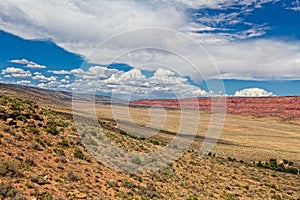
[51, 97]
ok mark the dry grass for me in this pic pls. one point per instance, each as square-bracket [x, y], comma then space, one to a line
[42, 165]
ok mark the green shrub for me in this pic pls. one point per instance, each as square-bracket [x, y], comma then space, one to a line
[123, 132]
[64, 143]
[16, 106]
[292, 170]
[260, 164]
[44, 195]
[192, 197]
[273, 165]
[273, 162]
[155, 142]
[78, 154]
[52, 130]
[40, 141]
[62, 123]
[34, 130]
[21, 118]
[59, 151]
[93, 142]
[51, 122]
[231, 159]
[137, 161]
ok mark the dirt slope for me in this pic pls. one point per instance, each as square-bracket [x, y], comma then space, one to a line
[42, 157]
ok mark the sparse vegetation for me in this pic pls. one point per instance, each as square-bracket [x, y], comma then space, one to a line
[52, 129]
[59, 151]
[53, 173]
[273, 164]
[64, 143]
[78, 154]
[155, 142]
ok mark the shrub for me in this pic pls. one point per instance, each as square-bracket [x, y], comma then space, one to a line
[34, 130]
[44, 195]
[137, 161]
[40, 141]
[93, 142]
[231, 159]
[155, 142]
[72, 176]
[64, 143]
[192, 197]
[260, 164]
[273, 165]
[9, 130]
[9, 192]
[123, 132]
[128, 184]
[35, 146]
[78, 154]
[59, 151]
[21, 118]
[39, 180]
[16, 106]
[9, 169]
[273, 162]
[62, 123]
[52, 129]
[292, 170]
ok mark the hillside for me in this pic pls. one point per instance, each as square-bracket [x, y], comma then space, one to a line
[42, 157]
[49, 97]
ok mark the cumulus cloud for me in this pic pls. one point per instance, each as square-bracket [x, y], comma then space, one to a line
[29, 64]
[16, 72]
[253, 92]
[60, 72]
[34, 20]
[131, 84]
[42, 78]
[24, 82]
[254, 59]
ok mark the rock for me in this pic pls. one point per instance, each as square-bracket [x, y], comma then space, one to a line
[11, 122]
[81, 196]
[38, 117]
[25, 114]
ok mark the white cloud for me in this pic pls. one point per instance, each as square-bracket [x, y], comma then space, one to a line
[253, 92]
[16, 72]
[35, 66]
[24, 82]
[21, 61]
[163, 83]
[59, 72]
[258, 59]
[42, 78]
[88, 23]
[29, 64]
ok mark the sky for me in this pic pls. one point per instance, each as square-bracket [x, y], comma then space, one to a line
[139, 49]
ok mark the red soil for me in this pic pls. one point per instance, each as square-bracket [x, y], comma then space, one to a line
[285, 107]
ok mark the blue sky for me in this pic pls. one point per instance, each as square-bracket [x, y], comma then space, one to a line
[253, 46]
